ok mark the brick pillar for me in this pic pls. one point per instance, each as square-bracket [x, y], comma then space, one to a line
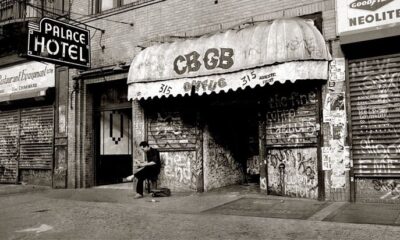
[138, 130]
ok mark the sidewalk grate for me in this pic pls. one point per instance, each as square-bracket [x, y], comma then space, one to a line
[270, 208]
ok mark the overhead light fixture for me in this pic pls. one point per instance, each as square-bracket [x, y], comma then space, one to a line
[119, 66]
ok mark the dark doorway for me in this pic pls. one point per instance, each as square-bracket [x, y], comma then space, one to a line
[113, 133]
[232, 121]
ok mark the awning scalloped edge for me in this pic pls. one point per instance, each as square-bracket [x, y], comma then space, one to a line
[267, 75]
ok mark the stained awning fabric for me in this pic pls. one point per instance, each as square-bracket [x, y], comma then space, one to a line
[33, 93]
[285, 49]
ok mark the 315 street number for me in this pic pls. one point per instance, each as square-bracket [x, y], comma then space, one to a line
[246, 79]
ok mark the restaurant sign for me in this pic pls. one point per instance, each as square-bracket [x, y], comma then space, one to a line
[365, 15]
[29, 77]
[60, 43]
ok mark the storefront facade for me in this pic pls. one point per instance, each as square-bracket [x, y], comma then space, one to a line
[373, 95]
[249, 99]
[228, 97]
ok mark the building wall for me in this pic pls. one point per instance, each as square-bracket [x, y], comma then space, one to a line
[159, 21]
[165, 19]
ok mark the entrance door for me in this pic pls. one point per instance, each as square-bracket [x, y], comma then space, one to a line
[292, 132]
[114, 160]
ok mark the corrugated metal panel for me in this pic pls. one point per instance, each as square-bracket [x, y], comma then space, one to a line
[9, 128]
[292, 118]
[375, 104]
[167, 130]
[36, 139]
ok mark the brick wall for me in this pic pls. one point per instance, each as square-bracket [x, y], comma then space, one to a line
[184, 18]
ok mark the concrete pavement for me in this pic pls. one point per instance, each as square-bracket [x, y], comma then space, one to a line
[238, 212]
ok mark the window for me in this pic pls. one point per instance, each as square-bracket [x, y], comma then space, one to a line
[99, 6]
[103, 5]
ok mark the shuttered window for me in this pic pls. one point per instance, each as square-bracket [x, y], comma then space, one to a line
[36, 139]
[172, 130]
[9, 129]
[375, 115]
[26, 141]
[292, 118]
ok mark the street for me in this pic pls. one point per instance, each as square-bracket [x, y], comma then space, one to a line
[114, 214]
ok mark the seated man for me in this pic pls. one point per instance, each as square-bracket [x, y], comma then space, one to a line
[150, 169]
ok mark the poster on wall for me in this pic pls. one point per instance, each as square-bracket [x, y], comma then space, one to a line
[334, 108]
[338, 135]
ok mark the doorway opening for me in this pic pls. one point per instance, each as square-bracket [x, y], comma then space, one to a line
[112, 120]
[233, 138]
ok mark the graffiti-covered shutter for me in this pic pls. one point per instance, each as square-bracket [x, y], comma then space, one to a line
[292, 131]
[292, 119]
[9, 128]
[175, 135]
[36, 139]
[375, 115]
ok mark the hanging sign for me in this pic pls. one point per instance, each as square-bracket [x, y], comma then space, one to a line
[59, 42]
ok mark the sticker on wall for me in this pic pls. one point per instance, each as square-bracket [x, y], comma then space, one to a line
[337, 75]
[337, 70]
[326, 158]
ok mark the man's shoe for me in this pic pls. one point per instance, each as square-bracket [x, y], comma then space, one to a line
[137, 196]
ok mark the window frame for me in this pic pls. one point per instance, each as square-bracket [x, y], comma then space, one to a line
[97, 5]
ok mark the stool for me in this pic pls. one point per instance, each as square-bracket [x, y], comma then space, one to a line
[150, 184]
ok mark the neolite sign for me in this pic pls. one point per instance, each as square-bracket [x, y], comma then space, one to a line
[365, 15]
[59, 42]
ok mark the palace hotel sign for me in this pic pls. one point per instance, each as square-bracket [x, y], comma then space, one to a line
[60, 43]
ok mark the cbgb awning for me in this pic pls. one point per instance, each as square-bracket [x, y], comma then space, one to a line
[286, 49]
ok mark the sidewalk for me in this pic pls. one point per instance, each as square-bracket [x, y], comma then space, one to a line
[8, 189]
[236, 200]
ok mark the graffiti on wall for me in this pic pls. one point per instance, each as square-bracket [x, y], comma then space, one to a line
[291, 118]
[378, 189]
[176, 172]
[222, 168]
[172, 130]
[253, 165]
[375, 99]
[9, 129]
[293, 172]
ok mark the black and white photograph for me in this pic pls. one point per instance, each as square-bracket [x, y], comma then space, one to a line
[199, 119]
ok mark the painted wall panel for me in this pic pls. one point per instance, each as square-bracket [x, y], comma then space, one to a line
[293, 172]
[177, 171]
